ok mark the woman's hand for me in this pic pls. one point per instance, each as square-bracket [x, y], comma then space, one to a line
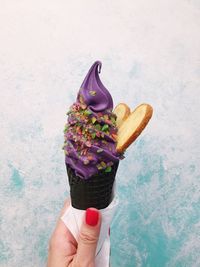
[64, 251]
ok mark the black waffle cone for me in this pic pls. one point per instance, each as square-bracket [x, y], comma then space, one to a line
[94, 192]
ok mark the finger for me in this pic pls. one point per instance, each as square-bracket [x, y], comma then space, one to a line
[88, 237]
[63, 210]
[60, 226]
[65, 207]
[61, 229]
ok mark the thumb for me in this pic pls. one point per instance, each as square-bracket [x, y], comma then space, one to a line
[88, 237]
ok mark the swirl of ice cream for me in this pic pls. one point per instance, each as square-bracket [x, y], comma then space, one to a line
[90, 133]
[94, 93]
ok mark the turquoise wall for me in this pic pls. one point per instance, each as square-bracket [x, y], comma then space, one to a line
[150, 53]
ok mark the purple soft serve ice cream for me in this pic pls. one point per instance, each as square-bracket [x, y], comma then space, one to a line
[90, 133]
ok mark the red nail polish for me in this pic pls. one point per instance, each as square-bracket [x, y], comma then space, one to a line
[92, 217]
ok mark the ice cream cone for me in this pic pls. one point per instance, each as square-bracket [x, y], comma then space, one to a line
[97, 191]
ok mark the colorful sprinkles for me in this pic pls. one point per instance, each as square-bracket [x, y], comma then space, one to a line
[92, 93]
[90, 132]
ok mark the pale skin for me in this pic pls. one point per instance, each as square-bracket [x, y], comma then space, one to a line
[64, 251]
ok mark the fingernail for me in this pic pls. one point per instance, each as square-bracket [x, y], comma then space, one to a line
[92, 217]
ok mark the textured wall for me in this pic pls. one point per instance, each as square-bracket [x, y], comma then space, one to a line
[151, 53]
